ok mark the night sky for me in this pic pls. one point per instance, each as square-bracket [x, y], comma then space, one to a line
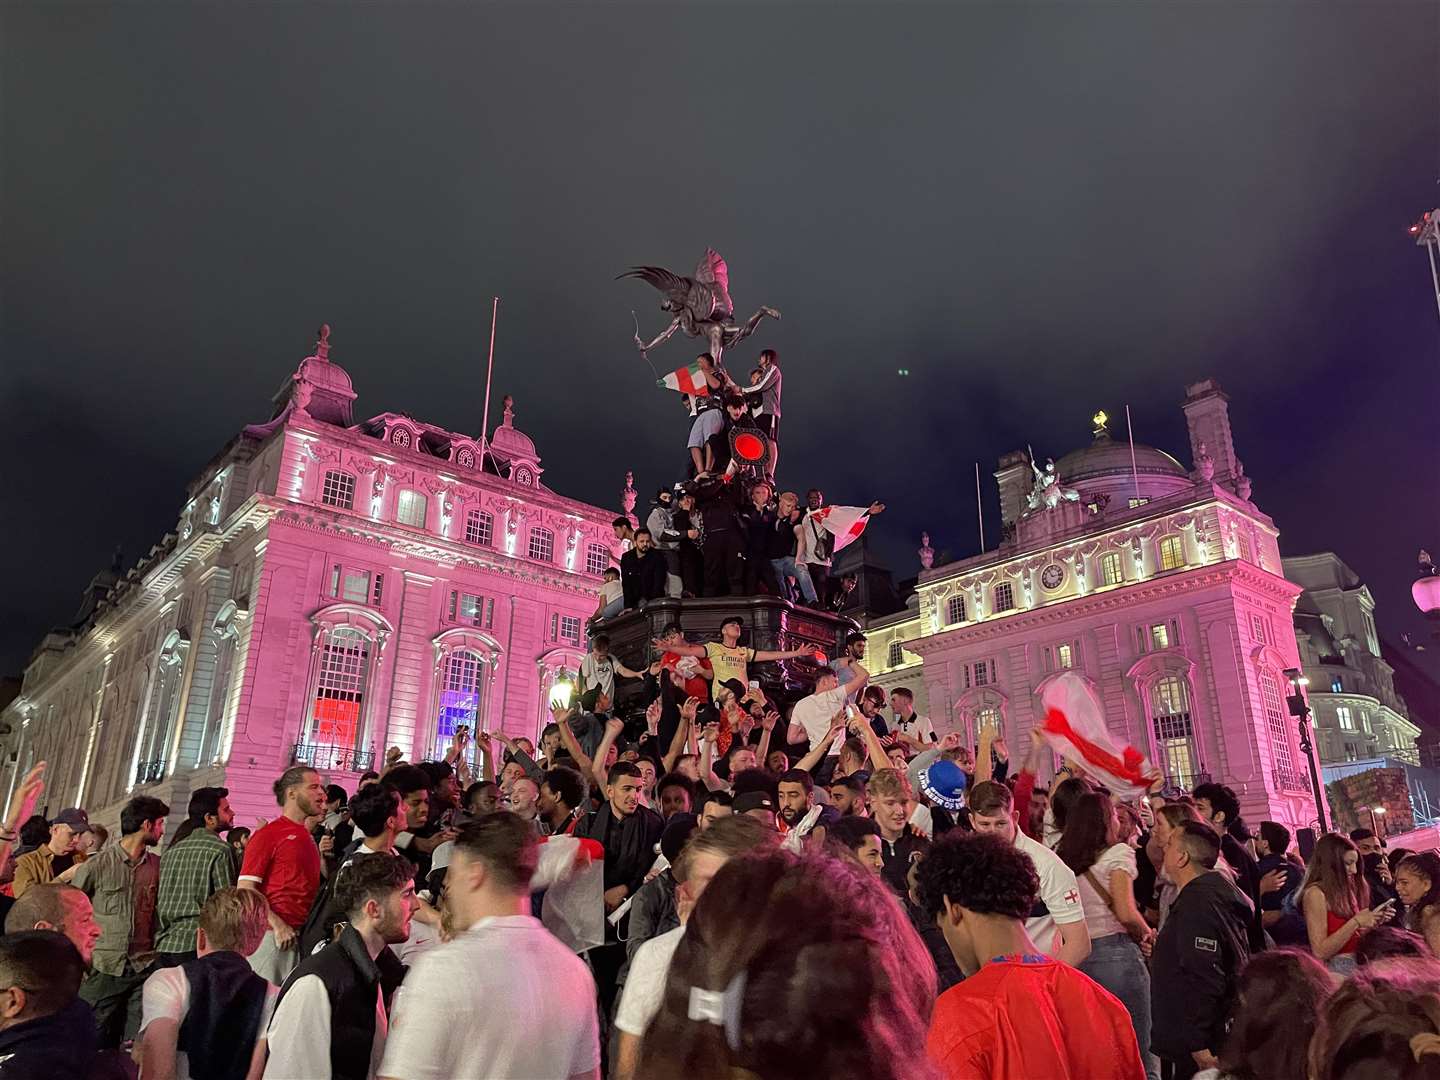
[1037, 210]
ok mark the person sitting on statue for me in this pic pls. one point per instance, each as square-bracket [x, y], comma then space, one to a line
[780, 548]
[757, 521]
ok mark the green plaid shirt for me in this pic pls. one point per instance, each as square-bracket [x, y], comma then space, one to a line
[190, 873]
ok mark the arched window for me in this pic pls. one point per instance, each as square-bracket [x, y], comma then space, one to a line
[955, 609]
[411, 507]
[162, 709]
[1174, 732]
[338, 490]
[225, 636]
[336, 718]
[542, 545]
[479, 527]
[1287, 776]
[462, 690]
[1112, 569]
[1172, 552]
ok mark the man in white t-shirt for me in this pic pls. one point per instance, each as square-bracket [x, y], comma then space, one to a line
[700, 860]
[599, 668]
[223, 1037]
[916, 729]
[1057, 925]
[505, 998]
[812, 717]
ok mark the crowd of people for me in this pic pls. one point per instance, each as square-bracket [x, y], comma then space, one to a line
[726, 530]
[732, 888]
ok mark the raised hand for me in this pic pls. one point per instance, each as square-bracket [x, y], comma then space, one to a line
[952, 741]
[687, 711]
[1274, 881]
[652, 717]
[614, 725]
[27, 794]
[770, 720]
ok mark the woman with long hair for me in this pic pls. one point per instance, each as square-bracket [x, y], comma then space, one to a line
[794, 966]
[1417, 881]
[1281, 994]
[1168, 818]
[1382, 1023]
[1336, 902]
[1063, 796]
[1104, 865]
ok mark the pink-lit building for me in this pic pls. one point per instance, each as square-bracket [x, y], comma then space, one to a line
[331, 589]
[1161, 585]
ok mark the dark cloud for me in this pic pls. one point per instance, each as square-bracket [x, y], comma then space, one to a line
[1036, 210]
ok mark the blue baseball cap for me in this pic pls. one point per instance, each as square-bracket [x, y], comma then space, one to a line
[944, 783]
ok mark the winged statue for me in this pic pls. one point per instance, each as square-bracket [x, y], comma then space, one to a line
[701, 305]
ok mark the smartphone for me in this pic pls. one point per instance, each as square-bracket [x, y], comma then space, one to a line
[754, 684]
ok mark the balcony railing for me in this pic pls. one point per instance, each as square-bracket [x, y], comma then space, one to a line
[147, 772]
[1292, 779]
[1183, 783]
[333, 757]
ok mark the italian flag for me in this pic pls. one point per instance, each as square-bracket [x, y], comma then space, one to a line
[845, 523]
[687, 380]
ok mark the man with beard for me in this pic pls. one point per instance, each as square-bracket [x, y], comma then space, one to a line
[333, 1014]
[642, 572]
[848, 795]
[562, 802]
[798, 812]
[283, 862]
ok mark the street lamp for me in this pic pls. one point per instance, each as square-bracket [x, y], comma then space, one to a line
[1426, 232]
[1374, 825]
[561, 694]
[1300, 709]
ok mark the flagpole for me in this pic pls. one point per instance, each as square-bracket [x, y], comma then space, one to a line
[1134, 469]
[979, 506]
[489, 370]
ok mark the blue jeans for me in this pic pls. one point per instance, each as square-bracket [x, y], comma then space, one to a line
[1116, 964]
[788, 568]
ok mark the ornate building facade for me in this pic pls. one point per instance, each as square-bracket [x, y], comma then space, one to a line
[1358, 714]
[1162, 586]
[331, 589]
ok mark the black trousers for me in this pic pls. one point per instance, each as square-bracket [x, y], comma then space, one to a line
[692, 568]
[824, 587]
[605, 963]
[724, 571]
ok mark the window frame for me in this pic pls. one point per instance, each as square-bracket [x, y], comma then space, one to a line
[479, 527]
[400, 503]
[547, 543]
[346, 501]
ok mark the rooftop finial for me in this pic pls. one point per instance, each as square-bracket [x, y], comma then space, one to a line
[1100, 420]
[322, 344]
[509, 420]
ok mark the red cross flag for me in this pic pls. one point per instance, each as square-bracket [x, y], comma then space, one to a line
[845, 523]
[1074, 726]
[688, 380]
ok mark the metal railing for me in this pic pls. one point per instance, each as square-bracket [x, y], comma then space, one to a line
[147, 772]
[1292, 779]
[1183, 783]
[333, 757]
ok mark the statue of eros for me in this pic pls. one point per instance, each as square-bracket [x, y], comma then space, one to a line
[701, 305]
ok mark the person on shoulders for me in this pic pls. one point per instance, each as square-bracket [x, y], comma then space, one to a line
[1019, 1014]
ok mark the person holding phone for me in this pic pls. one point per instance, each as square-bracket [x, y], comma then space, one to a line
[1336, 901]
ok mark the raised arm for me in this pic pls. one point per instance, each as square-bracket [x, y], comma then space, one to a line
[860, 726]
[621, 669]
[815, 756]
[707, 758]
[682, 734]
[984, 764]
[761, 655]
[613, 727]
[486, 747]
[567, 736]
[681, 648]
[22, 805]
[767, 727]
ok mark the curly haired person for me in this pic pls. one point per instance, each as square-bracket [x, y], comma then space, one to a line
[1018, 1014]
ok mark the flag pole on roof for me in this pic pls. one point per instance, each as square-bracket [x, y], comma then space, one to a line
[1134, 469]
[489, 370]
[979, 507]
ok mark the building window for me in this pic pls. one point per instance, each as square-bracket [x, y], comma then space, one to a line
[1134, 502]
[479, 527]
[542, 545]
[1159, 636]
[897, 654]
[338, 490]
[350, 585]
[1344, 718]
[1337, 684]
[570, 629]
[1365, 722]
[410, 508]
[1257, 629]
[460, 696]
[1004, 597]
[1174, 734]
[1112, 569]
[471, 609]
[1285, 769]
[1065, 656]
[1371, 638]
[1244, 542]
[1352, 752]
[955, 610]
[983, 672]
[988, 717]
[597, 559]
[1172, 552]
[400, 437]
[340, 691]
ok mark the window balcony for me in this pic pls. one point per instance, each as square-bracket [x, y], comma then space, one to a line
[319, 756]
[148, 772]
[1183, 783]
[1292, 779]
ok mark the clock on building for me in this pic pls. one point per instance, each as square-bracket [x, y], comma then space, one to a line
[1053, 576]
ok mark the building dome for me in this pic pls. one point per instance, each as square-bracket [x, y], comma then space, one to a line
[1105, 466]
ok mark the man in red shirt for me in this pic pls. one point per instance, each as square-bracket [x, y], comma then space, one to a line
[283, 862]
[1018, 1015]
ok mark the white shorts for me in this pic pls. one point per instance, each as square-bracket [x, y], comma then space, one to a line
[710, 422]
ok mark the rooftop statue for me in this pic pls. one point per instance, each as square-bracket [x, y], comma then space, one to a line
[701, 305]
[1047, 492]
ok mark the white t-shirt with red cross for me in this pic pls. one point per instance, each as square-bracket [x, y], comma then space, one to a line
[1059, 894]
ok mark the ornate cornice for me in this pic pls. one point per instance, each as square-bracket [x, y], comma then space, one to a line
[1231, 573]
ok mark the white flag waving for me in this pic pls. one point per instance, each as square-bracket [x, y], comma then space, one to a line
[1074, 726]
[845, 523]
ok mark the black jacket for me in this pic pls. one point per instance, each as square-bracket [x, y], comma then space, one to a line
[1290, 930]
[350, 978]
[62, 1044]
[1247, 874]
[898, 856]
[642, 577]
[629, 849]
[1195, 967]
